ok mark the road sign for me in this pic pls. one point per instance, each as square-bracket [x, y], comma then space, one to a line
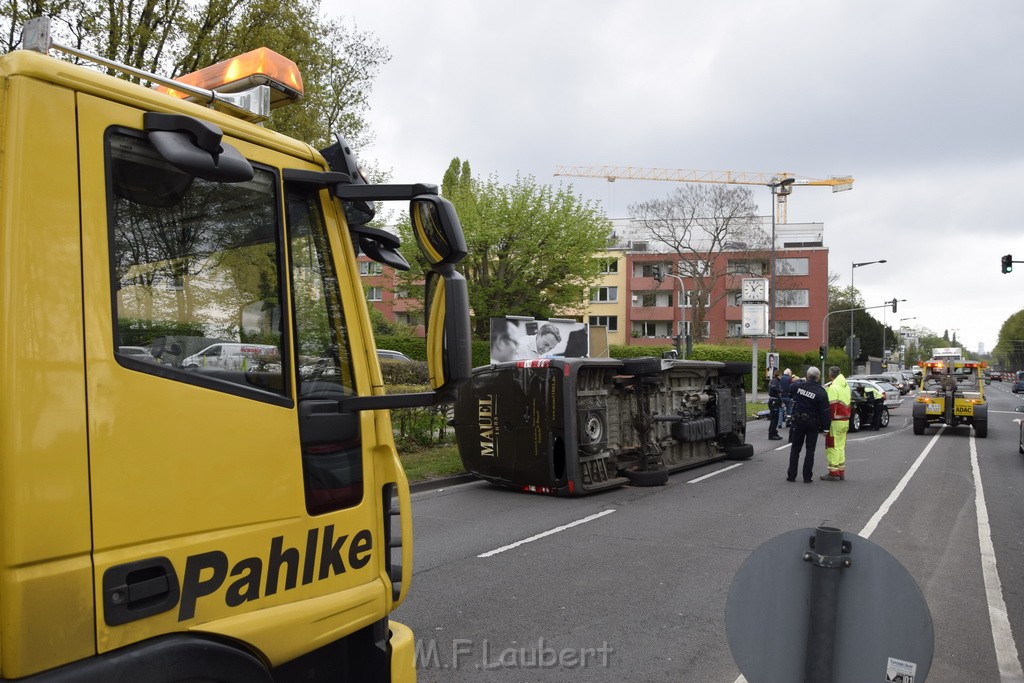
[882, 626]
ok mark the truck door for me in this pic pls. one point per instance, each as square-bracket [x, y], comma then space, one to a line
[212, 494]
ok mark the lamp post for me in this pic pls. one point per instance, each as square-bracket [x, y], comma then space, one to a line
[852, 290]
[780, 188]
[903, 356]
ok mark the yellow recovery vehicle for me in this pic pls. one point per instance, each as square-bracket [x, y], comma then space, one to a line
[952, 393]
[244, 521]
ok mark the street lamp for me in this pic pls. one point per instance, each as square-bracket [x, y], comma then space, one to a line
[779, 188]
[852, 289]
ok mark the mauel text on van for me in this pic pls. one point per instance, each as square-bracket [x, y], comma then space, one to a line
[486, 409]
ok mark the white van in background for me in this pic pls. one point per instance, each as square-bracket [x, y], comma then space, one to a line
[233, 357]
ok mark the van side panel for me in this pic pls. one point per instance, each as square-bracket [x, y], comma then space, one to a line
[46, 608]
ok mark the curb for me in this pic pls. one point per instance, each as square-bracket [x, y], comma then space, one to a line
[443, 482]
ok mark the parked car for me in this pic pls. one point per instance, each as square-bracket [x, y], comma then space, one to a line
[862, 409]
[1020, 436]
[892, 394]
[893, 378]
[1018, 382]
[137, 352]
[388, 354]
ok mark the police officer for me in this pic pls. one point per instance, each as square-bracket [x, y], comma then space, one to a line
[877, 399]
[811, 415]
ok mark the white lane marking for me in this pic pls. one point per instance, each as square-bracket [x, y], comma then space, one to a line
[491, 553]
[1002, 634]
[708, 476]
[872, 524]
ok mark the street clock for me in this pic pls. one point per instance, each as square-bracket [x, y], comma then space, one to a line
[754, 290]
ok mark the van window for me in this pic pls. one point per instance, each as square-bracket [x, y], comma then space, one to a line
[195, 263]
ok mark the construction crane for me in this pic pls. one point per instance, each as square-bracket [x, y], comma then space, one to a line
[773, 180]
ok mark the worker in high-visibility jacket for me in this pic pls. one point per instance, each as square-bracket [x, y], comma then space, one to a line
[835, 441]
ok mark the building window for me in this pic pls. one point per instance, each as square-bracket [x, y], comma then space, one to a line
[651, 299]
[651, 329]
[609, 321]
[692, 298]
[791, 266]
[604, 294]
[734, 297]
[747, 267]
[646, 269]
[734, 328]
[695, 268]
[792, 328]
[609, 266]
[370, 268]
[685, 326]
[792, 298]
[374, 293]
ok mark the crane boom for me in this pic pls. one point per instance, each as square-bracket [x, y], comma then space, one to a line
[613, 173]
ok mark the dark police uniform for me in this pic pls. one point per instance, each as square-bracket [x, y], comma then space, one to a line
[811, 415]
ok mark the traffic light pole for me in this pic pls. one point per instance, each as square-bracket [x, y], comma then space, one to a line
[824, 327]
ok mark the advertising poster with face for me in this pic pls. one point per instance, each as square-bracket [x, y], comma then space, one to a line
[525, 339]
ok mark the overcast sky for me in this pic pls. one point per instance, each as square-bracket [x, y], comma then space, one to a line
[921, 101]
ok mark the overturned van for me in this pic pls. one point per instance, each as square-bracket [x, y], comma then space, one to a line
[571, 426]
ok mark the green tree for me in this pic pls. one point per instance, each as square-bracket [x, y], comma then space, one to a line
[338, 62]
[532, 248]
[1009, 350]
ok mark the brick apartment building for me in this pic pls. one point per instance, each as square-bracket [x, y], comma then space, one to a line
[636, 308]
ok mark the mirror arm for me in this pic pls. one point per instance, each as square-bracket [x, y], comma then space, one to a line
[381, 193]
[390, 401]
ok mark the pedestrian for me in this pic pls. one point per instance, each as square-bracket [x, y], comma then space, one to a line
[810, 416]
[839, 402]
[877, 398]
[787, 400]
[794, 383]
[774, 407]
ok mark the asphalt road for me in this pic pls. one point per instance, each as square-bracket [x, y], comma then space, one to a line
[631, 585]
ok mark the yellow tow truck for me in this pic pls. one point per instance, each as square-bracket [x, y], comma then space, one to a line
[167, 521]
[952, 393]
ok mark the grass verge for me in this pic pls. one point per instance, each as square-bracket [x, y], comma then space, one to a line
[432, 463]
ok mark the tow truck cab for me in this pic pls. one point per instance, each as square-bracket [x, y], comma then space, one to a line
[164, 523]
[572, 426]
[952, 393]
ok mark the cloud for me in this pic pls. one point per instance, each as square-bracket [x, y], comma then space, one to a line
[919, 100]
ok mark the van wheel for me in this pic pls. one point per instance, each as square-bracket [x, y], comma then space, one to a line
[592, 432]
[919, 425]
[741, 452]
[884, 420]
[981, 428]
[647, 365]
[655, 477]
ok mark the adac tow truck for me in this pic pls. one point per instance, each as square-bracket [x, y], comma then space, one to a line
[164, 523]
[952, 393]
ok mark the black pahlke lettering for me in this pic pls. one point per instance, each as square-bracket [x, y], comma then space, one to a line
[206, 573]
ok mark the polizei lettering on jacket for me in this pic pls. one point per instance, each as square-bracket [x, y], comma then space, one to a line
[805, 393]
[485, 418]
[283, 568]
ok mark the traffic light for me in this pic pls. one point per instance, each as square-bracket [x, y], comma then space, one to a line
[823, 353]
[894, 305]
[656, 271]
[1008, 263]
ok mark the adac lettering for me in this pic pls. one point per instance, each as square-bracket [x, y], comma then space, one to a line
[283, 568]
[485, 418]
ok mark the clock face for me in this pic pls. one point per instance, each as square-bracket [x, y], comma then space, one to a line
[754, 290]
